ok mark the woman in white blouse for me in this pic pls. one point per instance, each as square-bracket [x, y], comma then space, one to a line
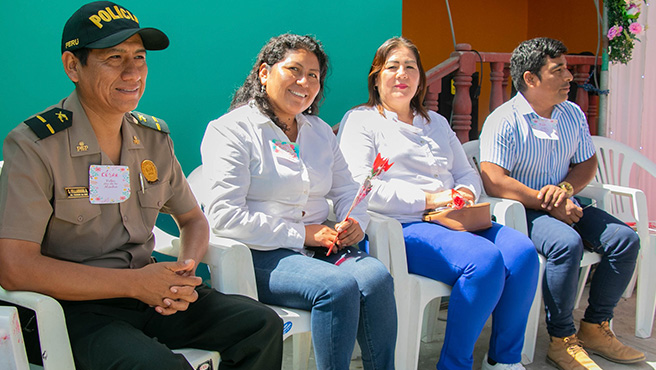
[493, 271]
[272, 165]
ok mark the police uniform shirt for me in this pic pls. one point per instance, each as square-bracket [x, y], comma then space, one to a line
[44, 181]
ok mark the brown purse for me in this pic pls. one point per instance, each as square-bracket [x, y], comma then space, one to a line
[471, 218]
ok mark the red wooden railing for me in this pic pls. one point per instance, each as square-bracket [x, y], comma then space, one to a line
[463, 63]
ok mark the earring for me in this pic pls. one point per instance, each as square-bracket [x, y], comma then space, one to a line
[262, 88]
[309, 110]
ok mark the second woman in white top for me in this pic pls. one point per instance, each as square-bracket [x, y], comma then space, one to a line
[272, 164]
[492, 271]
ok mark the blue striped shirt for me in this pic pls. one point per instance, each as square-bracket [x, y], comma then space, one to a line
[508, 140]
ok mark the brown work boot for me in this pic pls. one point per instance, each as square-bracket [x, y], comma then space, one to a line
[600, 340]
[567, 354]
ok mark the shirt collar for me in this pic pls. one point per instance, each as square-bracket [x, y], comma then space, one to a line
[417, 119]
[83, 139]
[523, 107]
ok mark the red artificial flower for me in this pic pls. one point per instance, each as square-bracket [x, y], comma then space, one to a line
[458, 200]
[380, 165]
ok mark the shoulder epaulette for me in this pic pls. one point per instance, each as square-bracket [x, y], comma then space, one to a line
[49, 123]
[150, 122]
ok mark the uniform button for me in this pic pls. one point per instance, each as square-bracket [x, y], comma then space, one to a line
[159, 203]
[125, 218]
[80, 218]
[436, 176]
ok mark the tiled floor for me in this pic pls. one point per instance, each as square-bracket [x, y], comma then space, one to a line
[623, 325]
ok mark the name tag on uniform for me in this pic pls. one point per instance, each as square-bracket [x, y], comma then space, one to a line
[544, 128]
[109, 184]
[77, 192]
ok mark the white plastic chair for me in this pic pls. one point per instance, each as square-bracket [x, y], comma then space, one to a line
[416, 294]
[519, 223]
[12, 347]
[412, 293]
[236, 275]
[613, 196]
[617, 165]
[53, 337]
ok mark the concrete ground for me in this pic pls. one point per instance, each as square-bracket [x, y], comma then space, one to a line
[623, 325]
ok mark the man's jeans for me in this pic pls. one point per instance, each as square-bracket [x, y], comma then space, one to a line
[563, 245]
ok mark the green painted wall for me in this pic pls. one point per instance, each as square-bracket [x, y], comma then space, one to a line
[213, 46]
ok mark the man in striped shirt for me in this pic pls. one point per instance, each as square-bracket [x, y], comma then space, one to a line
[536, 148]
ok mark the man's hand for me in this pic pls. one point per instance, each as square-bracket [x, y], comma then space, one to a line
[552, 196]
[567, 212]
[167, 286]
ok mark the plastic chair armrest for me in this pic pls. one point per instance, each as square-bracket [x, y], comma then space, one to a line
[231, 267]
[53, 335]
[230, 262]
[383, 233]
[507, 212]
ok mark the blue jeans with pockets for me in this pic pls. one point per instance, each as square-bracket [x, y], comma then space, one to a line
[350, 294]
[563, 246]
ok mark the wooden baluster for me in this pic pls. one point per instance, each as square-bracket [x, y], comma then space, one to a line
[593, 116]
[431, 100]
[496, 80]
[462, 104]
[505, 82]
[582, 71]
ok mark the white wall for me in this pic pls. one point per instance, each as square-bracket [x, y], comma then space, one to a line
[632, 102]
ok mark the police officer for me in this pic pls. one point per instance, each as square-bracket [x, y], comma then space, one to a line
[80, 190]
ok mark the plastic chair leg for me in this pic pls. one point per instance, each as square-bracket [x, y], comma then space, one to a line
[646, 294]
[583, 277]
[12, 346]
[431, 319]
[409, 336]
[628, 292]
[533, 322]
[302, 345]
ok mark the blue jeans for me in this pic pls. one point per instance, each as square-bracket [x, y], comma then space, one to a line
[350, 294]
[493, 271]
[563, 245]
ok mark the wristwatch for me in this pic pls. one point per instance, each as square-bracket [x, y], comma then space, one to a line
[569, 189]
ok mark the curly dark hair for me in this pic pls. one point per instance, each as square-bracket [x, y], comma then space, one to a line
[274, 51]
[530, 56]
[377, 65]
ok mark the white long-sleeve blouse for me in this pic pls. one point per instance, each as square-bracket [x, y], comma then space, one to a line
[264, 189]
[427, 157]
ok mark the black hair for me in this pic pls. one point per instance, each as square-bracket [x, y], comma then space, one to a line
[275, 50]
[82, 55]
[530, 56]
